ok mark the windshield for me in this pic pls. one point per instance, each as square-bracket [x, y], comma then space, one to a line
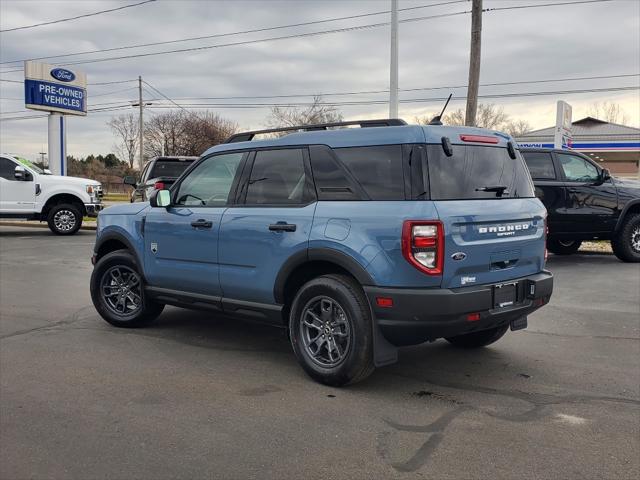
[475, 172]
[168, 168]
[27, 163]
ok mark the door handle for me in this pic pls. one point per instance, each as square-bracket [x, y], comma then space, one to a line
[282, 227]
[202, 223]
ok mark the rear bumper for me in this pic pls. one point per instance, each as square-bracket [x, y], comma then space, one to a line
[93, 209]
[418, 315]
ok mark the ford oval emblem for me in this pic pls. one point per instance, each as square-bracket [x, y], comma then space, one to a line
[63, 75]
[459, 256]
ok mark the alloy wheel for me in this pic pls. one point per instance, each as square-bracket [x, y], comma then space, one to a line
[635, 239]
[121, 290]
[325, 331]
[64, 220]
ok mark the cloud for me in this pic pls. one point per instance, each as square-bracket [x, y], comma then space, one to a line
[518, 45]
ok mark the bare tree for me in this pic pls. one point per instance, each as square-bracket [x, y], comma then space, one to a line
[609, 112]
[125, 129]
[316, 112]
[516, 128]
[185, 133]
[488, 116]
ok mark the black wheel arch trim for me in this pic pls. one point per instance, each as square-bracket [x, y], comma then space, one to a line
[319, 254]
[624, 212]
[122, 239]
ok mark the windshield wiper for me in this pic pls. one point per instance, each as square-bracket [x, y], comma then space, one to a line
[500, 190]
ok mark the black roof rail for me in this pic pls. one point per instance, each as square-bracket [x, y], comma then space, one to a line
[384, 122]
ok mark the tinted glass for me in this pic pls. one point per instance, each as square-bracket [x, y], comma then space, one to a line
[277, 177]
[7, 169]
[165, 168]
[377, 169]
[473, 168]
[210, 182]
[540, 165]
[577, 169]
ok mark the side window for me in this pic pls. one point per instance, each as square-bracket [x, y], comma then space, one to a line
[277, 177]
[377, 169]
[7, 169]
[540, 165]
[209, 184]
[577, 169]
[143, 175]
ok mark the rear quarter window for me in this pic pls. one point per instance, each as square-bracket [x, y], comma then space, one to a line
[540, 165]
[377, 169]
[472, 168]
[167, 168]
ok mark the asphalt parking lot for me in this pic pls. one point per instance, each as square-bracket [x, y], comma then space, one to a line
[199, 396]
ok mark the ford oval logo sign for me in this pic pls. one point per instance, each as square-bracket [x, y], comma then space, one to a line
[63, 75]
[459, 256]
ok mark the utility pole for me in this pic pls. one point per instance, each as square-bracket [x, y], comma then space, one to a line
[42, 154]
[393, 69]
[141, 123]
[474, 63]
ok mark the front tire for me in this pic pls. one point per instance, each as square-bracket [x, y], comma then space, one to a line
[626, 243]
[478, 339]
[64, 219]
[117, 292]
[563, 247]
[331, 331]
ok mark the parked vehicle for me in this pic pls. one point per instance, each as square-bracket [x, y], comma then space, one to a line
[585, 202]
[27, 192]
[157, 174]
[357, 240]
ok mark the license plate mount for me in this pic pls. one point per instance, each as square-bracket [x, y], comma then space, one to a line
[505, 295]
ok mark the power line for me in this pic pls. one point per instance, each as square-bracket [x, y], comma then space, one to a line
[10, 81]
[75, 18]
[312, 34]
[243, 32]
[411, 100]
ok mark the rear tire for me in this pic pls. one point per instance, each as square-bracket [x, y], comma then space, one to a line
[117, 292]
[563, 247]
[331, 332]
[64, 219]
[478, 339]
[626, 243]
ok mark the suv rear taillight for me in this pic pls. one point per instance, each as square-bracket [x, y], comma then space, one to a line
[158, 186]
[423, 245]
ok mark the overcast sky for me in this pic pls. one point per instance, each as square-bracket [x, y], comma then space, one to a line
[517, 45]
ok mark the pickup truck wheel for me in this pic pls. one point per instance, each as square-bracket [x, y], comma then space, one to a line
[64, 219]
[478, 339]
[330, 328]
[626, 243]
[563, 247]
[117, 292]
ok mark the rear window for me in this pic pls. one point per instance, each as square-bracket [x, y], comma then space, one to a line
[540, 165]
[377, 169]
[169, 168]
[472, 170]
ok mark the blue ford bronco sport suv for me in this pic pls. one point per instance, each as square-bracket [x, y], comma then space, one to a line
[357, 240]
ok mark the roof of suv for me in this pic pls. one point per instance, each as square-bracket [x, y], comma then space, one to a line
[358, 137]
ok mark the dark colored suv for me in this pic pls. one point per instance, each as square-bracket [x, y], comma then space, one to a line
[585, 202]
[158, 173]
[356, 240]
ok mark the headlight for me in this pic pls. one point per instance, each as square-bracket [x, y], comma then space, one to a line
[90, 189]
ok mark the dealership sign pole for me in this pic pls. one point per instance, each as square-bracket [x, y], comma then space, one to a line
[60, 92]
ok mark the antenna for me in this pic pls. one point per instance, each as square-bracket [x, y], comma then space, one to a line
[437, 119]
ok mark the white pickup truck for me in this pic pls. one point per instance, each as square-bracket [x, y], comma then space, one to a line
[28, 192]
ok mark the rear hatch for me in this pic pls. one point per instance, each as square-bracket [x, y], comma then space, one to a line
[494, 227]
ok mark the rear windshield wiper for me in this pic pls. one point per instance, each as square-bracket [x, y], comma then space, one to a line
[500, 190]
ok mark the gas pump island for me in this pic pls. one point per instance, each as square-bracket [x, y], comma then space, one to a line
[59, 91]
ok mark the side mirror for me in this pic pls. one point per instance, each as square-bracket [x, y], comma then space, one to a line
[20, 173]
[130, 180]
[160, 198]
[605, 175]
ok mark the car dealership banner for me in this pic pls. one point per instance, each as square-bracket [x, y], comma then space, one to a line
[54, 89]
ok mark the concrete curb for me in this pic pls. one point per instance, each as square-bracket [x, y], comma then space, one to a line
[34, 224]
